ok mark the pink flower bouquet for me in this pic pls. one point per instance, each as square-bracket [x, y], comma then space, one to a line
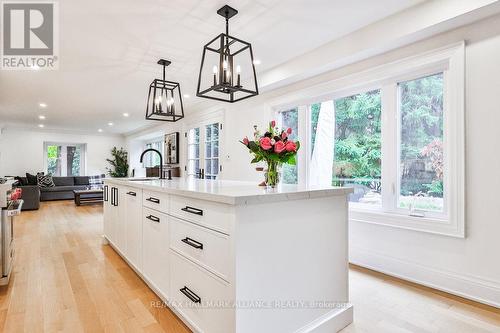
[274, 148]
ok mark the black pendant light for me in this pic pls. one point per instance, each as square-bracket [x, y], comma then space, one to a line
[227, 71]
[164, 99]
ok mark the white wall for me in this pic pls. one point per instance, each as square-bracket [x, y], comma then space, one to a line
[467, 267]
[21, 150]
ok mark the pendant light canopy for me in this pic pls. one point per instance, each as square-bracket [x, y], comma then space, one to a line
[164, 99]
[227, 71]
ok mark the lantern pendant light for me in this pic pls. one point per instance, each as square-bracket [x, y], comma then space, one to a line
[164, 99]
[227, 71]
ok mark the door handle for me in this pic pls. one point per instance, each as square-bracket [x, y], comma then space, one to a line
[193, 243]
[153, 200]
[190, 294]
[132, 193]
[153, 218]
[192, 210]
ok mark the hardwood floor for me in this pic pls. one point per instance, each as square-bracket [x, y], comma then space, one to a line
[65, 280]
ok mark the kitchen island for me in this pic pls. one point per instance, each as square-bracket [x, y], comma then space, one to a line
[230, 256]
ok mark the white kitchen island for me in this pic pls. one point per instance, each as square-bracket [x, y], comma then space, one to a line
[230, 256]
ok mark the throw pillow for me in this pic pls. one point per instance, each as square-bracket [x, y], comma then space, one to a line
[45, 181]
[96, 180]
[22, 181]
[32, 179]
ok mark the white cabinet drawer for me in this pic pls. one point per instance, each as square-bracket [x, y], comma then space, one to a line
[155, 200]
[196, 293]
[211, 249]
[213, 215]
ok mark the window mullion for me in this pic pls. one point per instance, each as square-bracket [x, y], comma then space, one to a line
[389, 147]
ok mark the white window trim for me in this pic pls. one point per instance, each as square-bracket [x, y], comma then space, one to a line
[451, 60]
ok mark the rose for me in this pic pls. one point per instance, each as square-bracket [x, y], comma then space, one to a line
[279, 147]
[284, 135]
[289, 130]
[265, 143]
[273, 123]
[246, 141]
[290, 146]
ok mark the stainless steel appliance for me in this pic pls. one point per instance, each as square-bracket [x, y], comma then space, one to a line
[10, 206]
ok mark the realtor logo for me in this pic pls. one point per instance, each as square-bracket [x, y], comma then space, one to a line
[29, 36]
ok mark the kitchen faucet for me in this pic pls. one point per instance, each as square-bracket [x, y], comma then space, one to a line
[161, 161]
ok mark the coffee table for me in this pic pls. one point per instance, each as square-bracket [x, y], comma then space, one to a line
[88, 196]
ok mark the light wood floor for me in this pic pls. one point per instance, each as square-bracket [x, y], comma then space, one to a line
[64, 280]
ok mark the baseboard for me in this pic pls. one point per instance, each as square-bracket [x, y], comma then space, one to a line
[332, 321]
[470, 287]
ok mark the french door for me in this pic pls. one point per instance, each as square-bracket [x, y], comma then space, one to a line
[203, 148]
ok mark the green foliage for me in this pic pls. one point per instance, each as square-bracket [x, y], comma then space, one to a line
[357, 136]
[435, 188]
[119, 163]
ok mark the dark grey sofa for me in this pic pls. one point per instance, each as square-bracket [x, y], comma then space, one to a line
[64, 188]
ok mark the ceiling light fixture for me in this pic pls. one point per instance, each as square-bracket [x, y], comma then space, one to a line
[41, 117]
[110, 124]
[99, 130]
[187, 95]
[224, 60]
[164, 98]
[125, 114]
[42, 105]
[41, 125]
[256, 62]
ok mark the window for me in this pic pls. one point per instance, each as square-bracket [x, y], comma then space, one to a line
[421, 154]
[398, 140]
[153, 160]
[203, 147]
[63, 159]
[289, 119]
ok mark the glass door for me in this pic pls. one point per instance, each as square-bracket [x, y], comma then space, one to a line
[203, 147]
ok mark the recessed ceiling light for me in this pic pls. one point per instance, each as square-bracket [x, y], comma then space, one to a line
[110, 124]
[41, 117]
[256, 62]
[42, 105]
[99, 130]
[41, 125]
[125, 114]
[187, 95]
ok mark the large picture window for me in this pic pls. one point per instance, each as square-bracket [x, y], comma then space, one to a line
[397, 141]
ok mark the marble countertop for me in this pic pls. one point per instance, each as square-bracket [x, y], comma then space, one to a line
[231, 192]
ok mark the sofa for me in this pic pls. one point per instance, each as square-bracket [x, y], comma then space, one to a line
[63, 190]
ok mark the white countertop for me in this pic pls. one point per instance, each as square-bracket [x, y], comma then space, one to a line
[231, 192]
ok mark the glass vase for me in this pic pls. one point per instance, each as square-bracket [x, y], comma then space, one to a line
[273, 173]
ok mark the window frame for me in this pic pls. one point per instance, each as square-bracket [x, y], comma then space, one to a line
[451, 61]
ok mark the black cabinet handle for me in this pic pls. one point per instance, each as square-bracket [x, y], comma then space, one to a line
[190, 294]
[153, 200]
[192, 210]
[132, 193]
[116, 196]
[153, 218]
[193, 243]
[105, 192]
[113, 196]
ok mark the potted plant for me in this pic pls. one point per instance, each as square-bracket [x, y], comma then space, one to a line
[119, 163]
[274, 148]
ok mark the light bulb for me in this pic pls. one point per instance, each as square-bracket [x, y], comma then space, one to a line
[238, 69]
[224, 64]
[215, 70]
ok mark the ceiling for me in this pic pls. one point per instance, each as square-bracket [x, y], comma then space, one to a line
[109, 49]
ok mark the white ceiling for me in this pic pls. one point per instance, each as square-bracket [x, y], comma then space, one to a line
[109, 49]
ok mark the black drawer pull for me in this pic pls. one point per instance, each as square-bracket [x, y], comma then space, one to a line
[132, 193]
[153, 218]
[193, 243]
[190, 294]
[192, 210]
[154, 200]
